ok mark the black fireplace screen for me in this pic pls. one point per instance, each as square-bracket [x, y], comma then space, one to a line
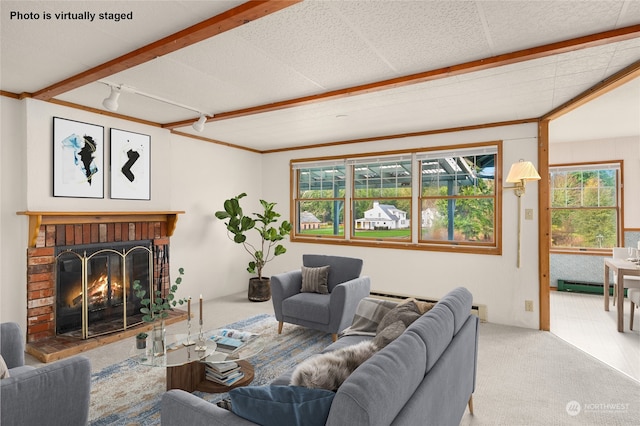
[107, 274]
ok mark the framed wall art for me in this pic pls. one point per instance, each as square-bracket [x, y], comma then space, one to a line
[130, 165]
[78, 159]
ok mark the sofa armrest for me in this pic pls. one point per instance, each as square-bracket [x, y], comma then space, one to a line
[179, 408]
[284, 286]
[11, 344]
[55, 394]
[344, 301]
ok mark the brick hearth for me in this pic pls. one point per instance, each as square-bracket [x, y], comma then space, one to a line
[51, 230]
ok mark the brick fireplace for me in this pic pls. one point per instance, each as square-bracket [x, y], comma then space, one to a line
[49, 231]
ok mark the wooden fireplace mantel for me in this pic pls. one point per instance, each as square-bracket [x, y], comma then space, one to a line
[38, 218]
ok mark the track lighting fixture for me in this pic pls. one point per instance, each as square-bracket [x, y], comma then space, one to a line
[111, 102]
[198, 126]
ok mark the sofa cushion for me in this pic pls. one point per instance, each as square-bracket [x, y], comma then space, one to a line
[314, 280]
[378, 390]
[342, 269]
[311, 307]
[459, 301]
[436, 330]
[282, 405]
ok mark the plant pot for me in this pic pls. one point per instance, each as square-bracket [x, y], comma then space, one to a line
[259, 289]
[141, 343]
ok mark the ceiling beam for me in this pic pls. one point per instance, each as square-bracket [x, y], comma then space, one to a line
[233, 18]
[616, 80]
[546, 50]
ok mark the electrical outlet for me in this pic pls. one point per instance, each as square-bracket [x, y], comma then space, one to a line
[528, 305]
[528, 214]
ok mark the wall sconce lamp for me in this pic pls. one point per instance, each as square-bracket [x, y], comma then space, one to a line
[111, 102]
[519, 174]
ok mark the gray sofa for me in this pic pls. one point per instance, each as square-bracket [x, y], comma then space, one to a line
[424, 377]
[54, 394]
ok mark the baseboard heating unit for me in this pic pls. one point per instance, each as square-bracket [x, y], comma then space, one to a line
[479, 310]
[585, 287]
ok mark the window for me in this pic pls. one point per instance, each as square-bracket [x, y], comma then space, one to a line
[585, 206]
[458, 196]
[428, 199]
[320, 199]
[381, 201]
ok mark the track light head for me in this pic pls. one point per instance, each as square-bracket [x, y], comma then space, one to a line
[111, 103]
[198, 126]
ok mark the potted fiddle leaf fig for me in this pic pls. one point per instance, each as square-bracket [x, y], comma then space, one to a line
[271, 234]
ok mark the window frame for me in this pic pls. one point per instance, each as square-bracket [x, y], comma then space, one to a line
[380, 163]
[415, 242]
[618, 166]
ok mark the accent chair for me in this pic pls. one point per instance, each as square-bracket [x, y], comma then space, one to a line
[55, 394]
[322, 295]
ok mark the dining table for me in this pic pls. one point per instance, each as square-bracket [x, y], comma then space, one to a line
[621, 267]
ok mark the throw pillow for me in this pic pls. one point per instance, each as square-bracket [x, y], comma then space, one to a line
[423, 307]
[389, 334]
[4, 371]
[282, 405]
[314, 280]
[405, 312]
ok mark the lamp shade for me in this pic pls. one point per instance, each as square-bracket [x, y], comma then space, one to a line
[111, 103]
[198, 126]
[521, 171]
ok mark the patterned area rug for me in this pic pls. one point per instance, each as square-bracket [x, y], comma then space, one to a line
[129, 394]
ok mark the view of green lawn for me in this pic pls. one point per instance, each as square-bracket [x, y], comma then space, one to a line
[389, 233]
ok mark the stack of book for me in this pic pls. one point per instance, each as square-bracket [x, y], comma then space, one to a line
[229, 340]
[224, 373]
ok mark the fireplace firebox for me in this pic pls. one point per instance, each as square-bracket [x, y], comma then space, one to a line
[94, 286]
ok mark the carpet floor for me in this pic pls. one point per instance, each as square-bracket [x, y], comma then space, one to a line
[128, 393]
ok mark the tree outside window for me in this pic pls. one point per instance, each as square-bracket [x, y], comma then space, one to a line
[458, 197]
[585, 206]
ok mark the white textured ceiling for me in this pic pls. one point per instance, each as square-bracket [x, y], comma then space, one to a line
[315, 47]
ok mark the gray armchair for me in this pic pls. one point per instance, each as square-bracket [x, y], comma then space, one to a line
[332, 312]
[55, 394]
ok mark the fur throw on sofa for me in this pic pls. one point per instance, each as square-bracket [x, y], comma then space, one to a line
[331, 369]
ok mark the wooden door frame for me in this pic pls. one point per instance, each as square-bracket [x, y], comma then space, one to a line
[544, 218]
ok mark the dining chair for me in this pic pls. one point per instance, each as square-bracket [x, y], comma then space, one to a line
[634, 301]
[628, 282]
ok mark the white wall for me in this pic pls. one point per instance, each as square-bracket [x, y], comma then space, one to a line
[197, 177]
[495, 281]
[203, 176]
[13, 198]
[626, 149]
[188, 175]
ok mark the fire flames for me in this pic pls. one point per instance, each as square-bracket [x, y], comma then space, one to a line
[98, 291]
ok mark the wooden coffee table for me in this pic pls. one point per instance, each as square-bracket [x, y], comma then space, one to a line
[192, 377]
[185, 364]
